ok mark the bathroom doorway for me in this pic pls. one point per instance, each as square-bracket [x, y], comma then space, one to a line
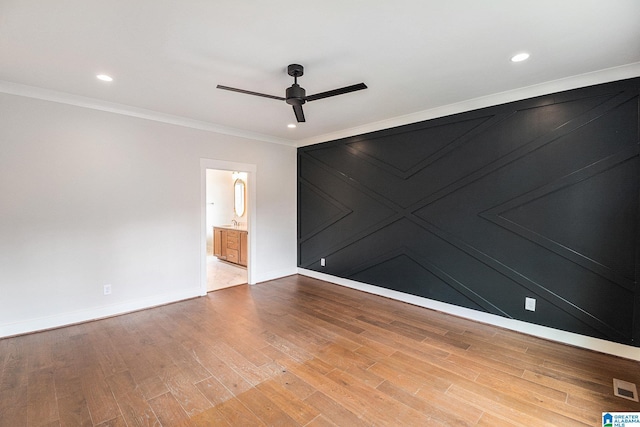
[228, 201]
[226, 214]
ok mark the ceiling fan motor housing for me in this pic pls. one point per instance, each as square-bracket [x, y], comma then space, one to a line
[296, 95]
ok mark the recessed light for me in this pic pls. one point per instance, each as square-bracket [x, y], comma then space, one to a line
[520, 57]
[104, 78]
[291, 125]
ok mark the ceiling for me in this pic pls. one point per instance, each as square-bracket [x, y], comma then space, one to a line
[166, 57]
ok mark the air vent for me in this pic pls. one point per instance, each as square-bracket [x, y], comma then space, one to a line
[625, 390]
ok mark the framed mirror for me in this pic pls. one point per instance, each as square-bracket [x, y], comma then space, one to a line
[238, 199]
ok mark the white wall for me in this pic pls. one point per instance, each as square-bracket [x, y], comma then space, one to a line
[89, 198]
[219, 206]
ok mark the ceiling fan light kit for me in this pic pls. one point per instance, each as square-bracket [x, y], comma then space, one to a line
[295, 95]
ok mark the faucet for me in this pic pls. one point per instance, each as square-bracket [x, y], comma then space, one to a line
[234, 222]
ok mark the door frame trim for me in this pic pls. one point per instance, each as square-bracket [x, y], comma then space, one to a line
[251, 170]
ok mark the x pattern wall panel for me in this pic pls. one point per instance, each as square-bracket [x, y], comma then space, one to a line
[537, 198]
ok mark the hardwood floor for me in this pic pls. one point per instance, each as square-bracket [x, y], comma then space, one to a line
[300, 352]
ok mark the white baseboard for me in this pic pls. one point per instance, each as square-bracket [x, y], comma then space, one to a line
[94, 313]
[564, 337]
[273, 274]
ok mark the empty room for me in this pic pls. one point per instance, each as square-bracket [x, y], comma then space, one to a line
[340, 213]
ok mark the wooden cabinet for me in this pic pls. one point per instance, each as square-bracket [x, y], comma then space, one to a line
[243, 248]
[230, 245]
[218, 234]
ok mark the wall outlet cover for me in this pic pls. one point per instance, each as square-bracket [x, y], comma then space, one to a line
[530, 304]
[322, 262]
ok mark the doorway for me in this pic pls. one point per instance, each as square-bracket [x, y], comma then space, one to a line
[228, 207]
[226, 214]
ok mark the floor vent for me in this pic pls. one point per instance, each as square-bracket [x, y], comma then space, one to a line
[625, 390]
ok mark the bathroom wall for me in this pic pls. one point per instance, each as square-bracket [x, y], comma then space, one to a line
[219, 206]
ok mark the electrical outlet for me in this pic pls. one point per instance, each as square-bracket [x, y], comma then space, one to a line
[107, 289]
[322, 262]
[530, 304]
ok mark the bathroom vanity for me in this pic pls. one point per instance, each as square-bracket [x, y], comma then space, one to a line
[230, 244]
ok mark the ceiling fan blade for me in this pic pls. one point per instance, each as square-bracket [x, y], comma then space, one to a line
[335, 92]
[248, 92]
[297, 110]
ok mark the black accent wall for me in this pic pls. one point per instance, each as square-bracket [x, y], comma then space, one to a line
[537, 198]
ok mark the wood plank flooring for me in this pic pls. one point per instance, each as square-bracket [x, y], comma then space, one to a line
[301, 352]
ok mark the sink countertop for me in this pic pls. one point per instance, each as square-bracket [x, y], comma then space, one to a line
[232, 227]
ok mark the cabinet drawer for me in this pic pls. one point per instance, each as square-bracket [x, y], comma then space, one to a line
[233, 244]
[233, 240]
[232, 255]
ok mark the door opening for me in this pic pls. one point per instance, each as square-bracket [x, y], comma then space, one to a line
[228, 218]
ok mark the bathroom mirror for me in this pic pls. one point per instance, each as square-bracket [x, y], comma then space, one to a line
[238, 191]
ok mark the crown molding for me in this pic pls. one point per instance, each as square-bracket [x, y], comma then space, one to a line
[596, 77]
[582, 80]
[125, 110]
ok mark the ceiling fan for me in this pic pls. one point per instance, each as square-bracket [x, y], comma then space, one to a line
[296, 95]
